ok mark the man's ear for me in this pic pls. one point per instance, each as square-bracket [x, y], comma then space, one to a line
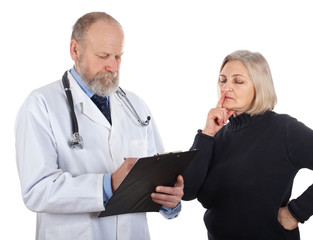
[75, 50]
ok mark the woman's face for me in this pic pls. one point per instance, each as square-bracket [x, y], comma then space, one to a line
[237, 85]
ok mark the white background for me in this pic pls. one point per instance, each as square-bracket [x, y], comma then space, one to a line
[173, 52]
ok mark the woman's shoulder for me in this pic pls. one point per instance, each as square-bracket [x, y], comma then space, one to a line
[287, 122]
[281, 117]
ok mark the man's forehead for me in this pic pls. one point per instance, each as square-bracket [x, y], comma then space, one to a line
[105, 28]
[104, 37]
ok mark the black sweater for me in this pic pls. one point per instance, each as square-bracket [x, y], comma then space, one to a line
[245, 174]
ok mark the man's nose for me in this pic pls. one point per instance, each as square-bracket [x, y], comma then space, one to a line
[111, 65]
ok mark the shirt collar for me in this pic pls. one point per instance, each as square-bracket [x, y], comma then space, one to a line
[81, 83]
[83, 86]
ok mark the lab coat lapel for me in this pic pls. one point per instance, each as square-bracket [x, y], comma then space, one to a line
[117, 110]
[87, 107]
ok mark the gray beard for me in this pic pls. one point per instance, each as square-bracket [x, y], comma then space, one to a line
[103, 84]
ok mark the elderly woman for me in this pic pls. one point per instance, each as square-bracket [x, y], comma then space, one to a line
[244, 171]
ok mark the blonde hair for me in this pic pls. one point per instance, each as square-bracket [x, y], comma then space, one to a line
[265, 97]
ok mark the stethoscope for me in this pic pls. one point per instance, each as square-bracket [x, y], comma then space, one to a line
[77, 140]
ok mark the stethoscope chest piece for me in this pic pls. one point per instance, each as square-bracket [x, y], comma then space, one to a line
[76, 142]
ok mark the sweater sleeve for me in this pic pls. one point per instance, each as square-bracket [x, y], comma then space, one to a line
[300, 150]
[196, 172]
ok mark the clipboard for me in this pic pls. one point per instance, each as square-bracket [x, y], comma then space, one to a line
[134, 193]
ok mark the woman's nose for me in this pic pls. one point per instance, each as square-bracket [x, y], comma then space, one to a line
[226, 88]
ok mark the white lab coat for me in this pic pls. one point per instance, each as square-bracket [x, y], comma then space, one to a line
[65, 186]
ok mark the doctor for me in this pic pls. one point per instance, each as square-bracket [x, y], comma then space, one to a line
[69, 187]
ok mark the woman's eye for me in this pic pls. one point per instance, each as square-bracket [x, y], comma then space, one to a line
[239, 82]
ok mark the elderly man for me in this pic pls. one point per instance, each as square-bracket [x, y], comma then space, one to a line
[68, 181]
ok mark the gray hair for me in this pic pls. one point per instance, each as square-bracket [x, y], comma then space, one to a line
[83, 23]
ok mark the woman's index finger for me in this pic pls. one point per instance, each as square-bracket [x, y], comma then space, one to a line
[221, 101]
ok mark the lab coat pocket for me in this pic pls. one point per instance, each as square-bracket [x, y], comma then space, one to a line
[137, 148]
[65, 232]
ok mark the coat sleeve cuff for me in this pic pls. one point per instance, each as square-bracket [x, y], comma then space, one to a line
[293, 209]
[204, 135]
[201, 140]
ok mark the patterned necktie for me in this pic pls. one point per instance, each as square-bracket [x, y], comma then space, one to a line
[103, 105]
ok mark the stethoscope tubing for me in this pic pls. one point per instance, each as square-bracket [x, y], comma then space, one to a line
[77, 141]
[122, 95]
[69, 96]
